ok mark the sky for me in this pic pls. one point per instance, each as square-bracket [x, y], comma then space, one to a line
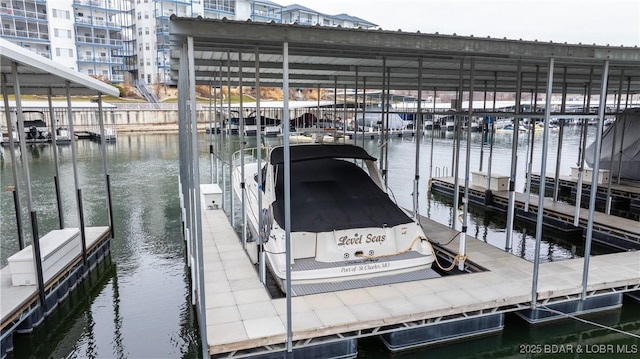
[613, 22]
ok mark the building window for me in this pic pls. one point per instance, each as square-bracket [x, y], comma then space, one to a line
[146, 31]
[146, 14]
[62, 32]
[146, 46]
[139, 15]
[63, 14]
[148, 79]
[60, 51]
[140, 31]
[90, 72]
[148, 62]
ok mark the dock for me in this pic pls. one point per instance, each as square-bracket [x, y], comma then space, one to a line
[20, 308]
[242, 320]
[624, 196]
[613, 231]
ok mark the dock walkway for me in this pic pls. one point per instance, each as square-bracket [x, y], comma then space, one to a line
[611, 230]
[242, 318]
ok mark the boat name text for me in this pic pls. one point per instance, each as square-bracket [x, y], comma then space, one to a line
[359, 239]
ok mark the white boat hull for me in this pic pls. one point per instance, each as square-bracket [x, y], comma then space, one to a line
[338, 255]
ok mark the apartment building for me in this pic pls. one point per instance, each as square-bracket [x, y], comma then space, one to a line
[128, 40]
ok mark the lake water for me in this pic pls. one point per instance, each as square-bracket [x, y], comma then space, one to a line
[137, 306]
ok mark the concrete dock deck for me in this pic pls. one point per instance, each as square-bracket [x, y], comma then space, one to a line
[242, 317]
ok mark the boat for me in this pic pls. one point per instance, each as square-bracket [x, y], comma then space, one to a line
[509, 129]
[624, 136]
[344, 226]
[373, 117]
[268, 126]
[35, 130]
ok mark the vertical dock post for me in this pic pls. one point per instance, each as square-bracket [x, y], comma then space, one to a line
[455, 165]
[465, 211]
[583, 147]
[356, 107]
[540, 214]
[37, 257]
[241, 119]
[14, 163]
[532, 130]
[76, 181]
[594, 177]
[563, 106]
[418, 129]
[103, 154]
[261, 253]
[54, 146]
[514, 163]
[287, 191]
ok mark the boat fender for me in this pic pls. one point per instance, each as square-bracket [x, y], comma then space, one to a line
[267, 221]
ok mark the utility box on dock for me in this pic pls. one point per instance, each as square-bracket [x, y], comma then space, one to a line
[498, 182]
[58, 249]
[212, 195]
[603, 175]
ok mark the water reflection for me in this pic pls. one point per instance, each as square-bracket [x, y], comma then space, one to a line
[142, 309]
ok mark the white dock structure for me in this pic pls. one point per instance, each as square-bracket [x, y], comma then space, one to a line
[242, 318]
[43, 274]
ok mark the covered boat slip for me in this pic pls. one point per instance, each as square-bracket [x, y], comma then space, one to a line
[38, 278]
[242, 319]
[234, 53]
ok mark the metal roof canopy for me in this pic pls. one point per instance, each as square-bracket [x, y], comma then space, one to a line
[36, 74]
[326, 57]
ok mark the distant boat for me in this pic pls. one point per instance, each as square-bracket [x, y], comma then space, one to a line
[509, 128]
[374, 118]
[35, 130]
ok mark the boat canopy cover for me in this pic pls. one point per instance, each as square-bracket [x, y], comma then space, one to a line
[331, 194]
[318, 151]
[625, 132]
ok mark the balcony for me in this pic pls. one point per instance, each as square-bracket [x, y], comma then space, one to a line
[94, 3]
[82, 21]
[26, 34]
[98, 40]
[27, 14]
[101, 59]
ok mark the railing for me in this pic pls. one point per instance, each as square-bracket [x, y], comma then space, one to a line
[25, 34]
[99, 40]
[250, 155]
[23, 13]
[117, 78]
